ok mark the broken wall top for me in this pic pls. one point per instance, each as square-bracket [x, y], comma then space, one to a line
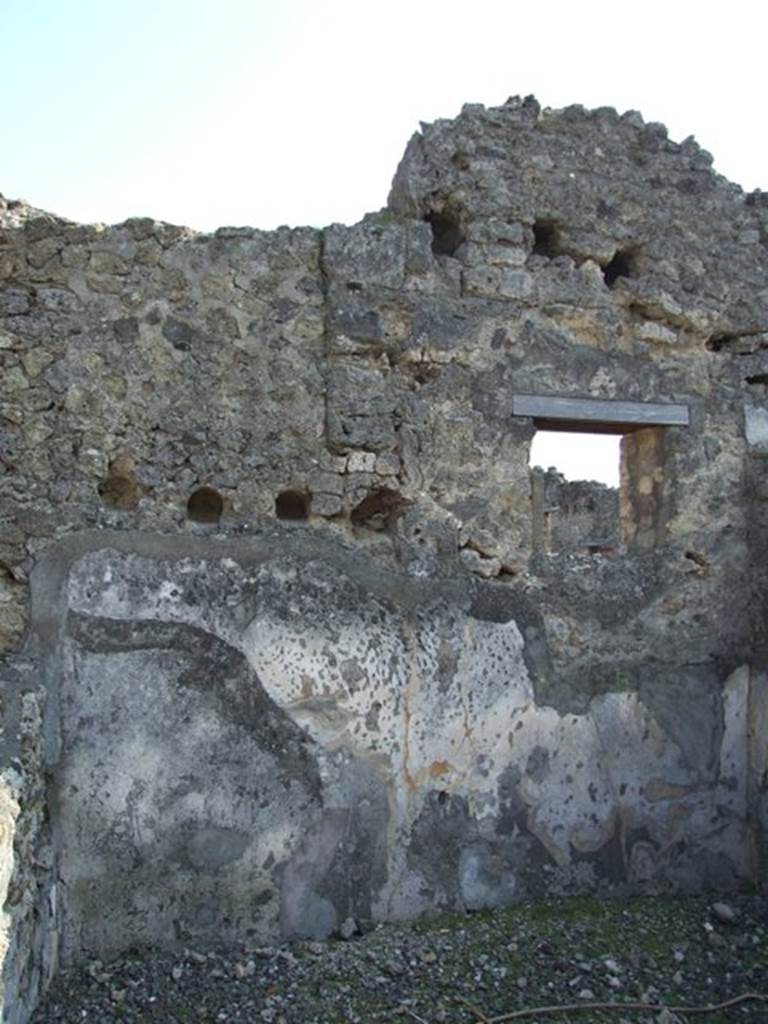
[599, 184]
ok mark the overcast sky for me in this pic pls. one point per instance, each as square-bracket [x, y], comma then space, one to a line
[264, 112]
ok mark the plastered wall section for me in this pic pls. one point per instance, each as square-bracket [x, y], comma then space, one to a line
[272, 745]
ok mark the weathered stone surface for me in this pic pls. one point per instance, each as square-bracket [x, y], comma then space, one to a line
[399, 696]
[29, 925]
[329, 691]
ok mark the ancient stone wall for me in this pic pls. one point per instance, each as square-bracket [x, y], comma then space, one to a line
[573, 515]
[279, 650]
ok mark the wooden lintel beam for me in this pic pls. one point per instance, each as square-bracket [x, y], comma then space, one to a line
[599, 415]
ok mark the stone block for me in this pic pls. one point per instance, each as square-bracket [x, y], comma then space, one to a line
[361, 462]
[326, 504]
[756, 428]
[388, 464]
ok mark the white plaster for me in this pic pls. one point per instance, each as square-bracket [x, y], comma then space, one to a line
[756, 426]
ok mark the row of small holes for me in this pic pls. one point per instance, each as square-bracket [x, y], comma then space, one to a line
[448, 235]
[206, 505]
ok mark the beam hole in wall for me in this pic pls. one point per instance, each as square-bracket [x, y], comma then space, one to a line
[205, 505]
[623, 264]
[292, 504]
[120, 489]
[447, 232]
[378, 509]
[575, 487]
[720, 340]
[546, 238]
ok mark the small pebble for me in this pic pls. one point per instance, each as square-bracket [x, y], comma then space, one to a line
[724, 913]
[245, 970]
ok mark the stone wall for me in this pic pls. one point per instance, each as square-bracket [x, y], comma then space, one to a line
[28, 888]
[266, 549]
[581, 516]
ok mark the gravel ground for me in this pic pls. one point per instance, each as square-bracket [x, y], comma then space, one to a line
[663, 951]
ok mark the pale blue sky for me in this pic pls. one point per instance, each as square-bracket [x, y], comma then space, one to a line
[262, 112]
[265, 113]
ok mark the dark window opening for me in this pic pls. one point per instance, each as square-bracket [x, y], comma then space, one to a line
[546, 239]
[205, 505]
[623, 264]
[292, 505]
[447, 233]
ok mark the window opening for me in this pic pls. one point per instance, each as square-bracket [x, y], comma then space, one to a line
[643, 509]
[575, 485]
